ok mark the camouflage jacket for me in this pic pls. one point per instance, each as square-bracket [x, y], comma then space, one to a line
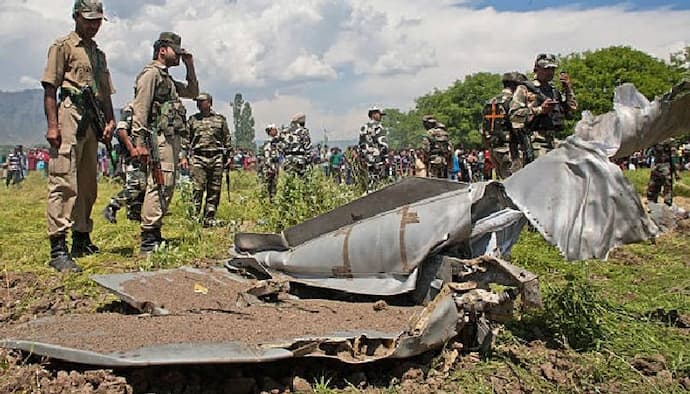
[297, 141]
[496, 124]
[210, 133]
[273, 149]
[373, 139]
[525, 108]
[436, 144]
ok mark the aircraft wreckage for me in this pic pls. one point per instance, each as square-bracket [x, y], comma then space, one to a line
[392, 275]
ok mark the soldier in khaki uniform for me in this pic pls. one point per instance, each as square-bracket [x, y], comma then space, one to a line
[210, 144]
[158, 114]
[74, 63]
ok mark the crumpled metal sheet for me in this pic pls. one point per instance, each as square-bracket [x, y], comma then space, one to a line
[381, 255]
[580, 201]
[635, 123]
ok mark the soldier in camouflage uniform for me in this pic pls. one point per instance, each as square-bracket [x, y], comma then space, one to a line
[209, 141]
[548, 106]
[373, 147]
[437, 148]
[297, 146]
[132, 195]
[507, 143]
[663, 171]
[159, 114]
[270, 164]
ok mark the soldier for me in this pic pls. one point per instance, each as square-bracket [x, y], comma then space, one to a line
[210, 141]
[132, 195]
[297, 146]
[437, 148]
[662, 173]
[548, 107]
[74, 63]
[159, 117]
[270, 165]
[373, 147]
[509, 146]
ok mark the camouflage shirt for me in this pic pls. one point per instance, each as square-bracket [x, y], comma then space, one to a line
[210, 133]
[372, 141]
[297, 141]
[526, 111]
[273, 149]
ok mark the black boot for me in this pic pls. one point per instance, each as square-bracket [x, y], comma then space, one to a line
[59, 258]
[82, 245]
[110, 213]
[150, 240]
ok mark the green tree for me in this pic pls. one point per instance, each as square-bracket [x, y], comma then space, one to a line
[243, 121]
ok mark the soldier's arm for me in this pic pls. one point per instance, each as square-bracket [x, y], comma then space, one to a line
[52, 78]
[227, 135]
[570, 102]
[191, 89]
[520, 112]
[106, 90]
[141, 106]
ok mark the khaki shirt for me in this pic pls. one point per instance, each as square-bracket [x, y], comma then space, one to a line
[74, 63]
[145, 89]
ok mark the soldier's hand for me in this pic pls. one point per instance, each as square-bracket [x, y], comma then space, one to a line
[184, 164]
[54, 137]
[547, 106]
[141, 153]
[564, 78]
[108, 131]
[187, 58]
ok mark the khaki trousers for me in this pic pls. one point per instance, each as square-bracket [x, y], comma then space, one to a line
[151, 210]
[72, 187]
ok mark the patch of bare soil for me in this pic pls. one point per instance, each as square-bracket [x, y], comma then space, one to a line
[20, 377]
[255, 324]
[25, 296]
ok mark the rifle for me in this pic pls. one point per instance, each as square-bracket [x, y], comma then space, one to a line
[226, 170]
[151, 141]
[94, 115]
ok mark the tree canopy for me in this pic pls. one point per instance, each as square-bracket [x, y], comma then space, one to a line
[595, 75]
[243, 121]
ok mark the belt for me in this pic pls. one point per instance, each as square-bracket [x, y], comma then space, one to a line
[208, 153]
[76, 97]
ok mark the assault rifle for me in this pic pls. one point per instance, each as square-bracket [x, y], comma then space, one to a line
[95, 117]
[151, 141]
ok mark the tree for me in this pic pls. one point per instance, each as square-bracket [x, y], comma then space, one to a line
[243, 121]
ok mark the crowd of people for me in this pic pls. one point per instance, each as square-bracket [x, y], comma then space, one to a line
[17, 164]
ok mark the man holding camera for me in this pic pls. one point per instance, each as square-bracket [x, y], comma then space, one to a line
[548, 106]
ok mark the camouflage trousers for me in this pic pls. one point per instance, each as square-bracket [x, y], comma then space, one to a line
[438, 167]
[268, 175]
[207, 176]
[543, 142]
[295, 164]
[132, 195]
[660, 179]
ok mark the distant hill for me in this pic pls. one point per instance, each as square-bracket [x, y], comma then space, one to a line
[22, 120]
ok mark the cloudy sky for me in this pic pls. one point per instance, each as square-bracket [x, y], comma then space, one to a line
[334, 58]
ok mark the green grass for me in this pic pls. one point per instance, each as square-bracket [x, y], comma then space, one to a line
[640, 178]
[613, 299]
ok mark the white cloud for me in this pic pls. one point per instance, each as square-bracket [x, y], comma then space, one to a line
[329, 58]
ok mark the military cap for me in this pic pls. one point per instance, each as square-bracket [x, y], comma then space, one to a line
[514, 77]
[440, 125]
[88, 9]
[299, 117]
[376, 109]
[270, 127]
[203, 97]
[546, 60]
[429, 119]
[173, 40]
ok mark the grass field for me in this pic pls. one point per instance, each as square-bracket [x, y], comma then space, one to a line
[599, 331]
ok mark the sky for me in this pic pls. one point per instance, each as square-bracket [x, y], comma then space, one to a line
[333, 59]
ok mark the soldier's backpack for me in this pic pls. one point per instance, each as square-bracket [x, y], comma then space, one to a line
[495, 121]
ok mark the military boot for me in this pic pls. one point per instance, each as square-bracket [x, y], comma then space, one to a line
[59, 258]
[150, 241]
[110, 213]
[82, 245]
